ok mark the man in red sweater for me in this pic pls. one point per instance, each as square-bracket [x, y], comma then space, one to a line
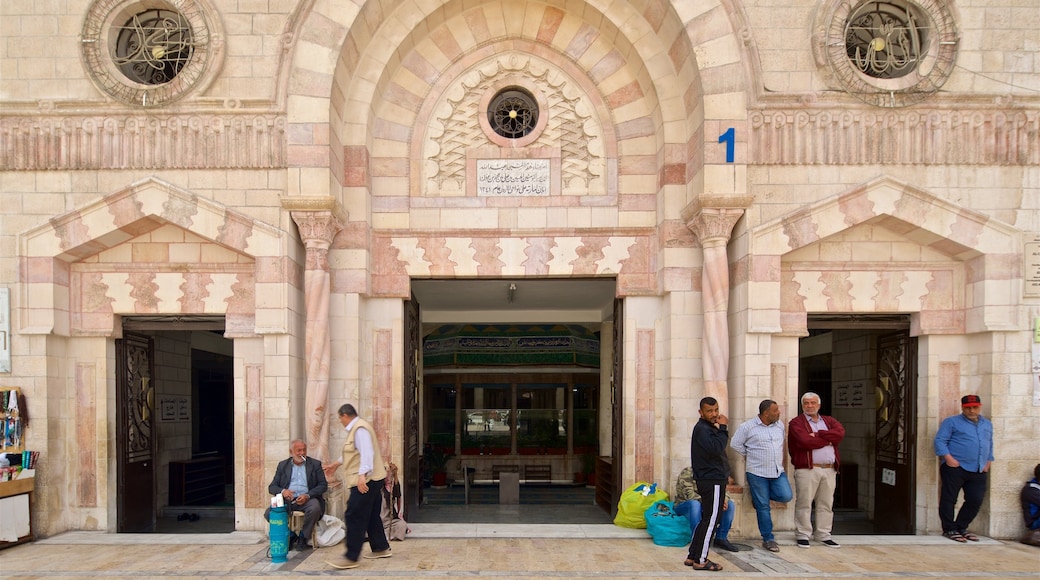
[812, 440]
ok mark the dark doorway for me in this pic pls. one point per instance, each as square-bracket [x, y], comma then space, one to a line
[191, 392]
[864, 369]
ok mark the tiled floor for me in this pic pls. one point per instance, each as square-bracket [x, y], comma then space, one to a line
[516, 552]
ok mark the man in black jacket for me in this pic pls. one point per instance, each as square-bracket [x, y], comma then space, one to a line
[301, 483]
[711, 470]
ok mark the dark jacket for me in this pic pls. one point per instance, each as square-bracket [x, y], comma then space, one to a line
[316, 483]
[1031, 504]
[800, 440]
[708, 451]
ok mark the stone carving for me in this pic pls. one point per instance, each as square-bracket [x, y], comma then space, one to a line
[245, 140]
[571, 128]
[920, 137]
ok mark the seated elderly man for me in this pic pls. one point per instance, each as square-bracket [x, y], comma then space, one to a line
[301, 482]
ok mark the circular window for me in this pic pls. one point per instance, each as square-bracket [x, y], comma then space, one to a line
[889, 53]
[153, 46]
[884, 40]
[513, 113]
[149, 52]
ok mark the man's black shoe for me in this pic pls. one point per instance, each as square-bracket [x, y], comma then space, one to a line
[301, 545]
[725, 545]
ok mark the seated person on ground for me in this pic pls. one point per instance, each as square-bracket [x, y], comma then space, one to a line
[688, 503]
[301, 482]
[392, 513]
[1031, 508]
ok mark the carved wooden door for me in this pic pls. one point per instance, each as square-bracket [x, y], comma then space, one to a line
[411, 475]
[135, 436]
[895, 434]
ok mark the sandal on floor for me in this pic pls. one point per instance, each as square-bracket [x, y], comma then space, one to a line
[708, 565]
[956, 537]
[970, 536]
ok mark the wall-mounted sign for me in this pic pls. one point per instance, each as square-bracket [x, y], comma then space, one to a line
[1031, 272]
[5, 330]
[513, 177]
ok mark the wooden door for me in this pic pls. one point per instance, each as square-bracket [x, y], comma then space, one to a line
[135, 437]
[894, 475]
[617, 407]
[412, 470]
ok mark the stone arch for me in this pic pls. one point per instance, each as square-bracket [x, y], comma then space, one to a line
[153, 248]
[699, 57]
[962, 276]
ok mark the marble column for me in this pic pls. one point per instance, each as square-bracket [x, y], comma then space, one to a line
[317, 229]
[712, 219]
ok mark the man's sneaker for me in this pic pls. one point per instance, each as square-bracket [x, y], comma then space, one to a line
[771, 545]
[803, 543]
[830, 544]
[342, 563]
[380, 554]
[724, 544]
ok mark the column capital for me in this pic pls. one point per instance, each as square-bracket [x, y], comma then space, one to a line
[711, 217]
[317, 229]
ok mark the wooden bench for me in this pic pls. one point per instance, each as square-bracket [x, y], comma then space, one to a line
[541, 473]
[500, 468]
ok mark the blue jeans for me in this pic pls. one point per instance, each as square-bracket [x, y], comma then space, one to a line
[764, 489]
[692, 510]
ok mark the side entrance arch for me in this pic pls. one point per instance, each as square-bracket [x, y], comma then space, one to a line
[853, 263]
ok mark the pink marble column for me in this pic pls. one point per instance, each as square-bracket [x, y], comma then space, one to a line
[712, 219]
[317, 229]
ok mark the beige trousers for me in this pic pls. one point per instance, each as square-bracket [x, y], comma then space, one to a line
[816, 484]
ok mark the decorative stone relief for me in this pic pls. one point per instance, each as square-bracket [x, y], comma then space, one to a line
[928, 137]
[228, 140]
[570, 126]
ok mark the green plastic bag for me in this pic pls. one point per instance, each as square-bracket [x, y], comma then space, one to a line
[634, 502]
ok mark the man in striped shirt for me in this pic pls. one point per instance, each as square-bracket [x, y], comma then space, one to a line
[760, 440]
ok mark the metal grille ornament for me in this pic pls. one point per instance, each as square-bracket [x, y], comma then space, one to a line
[150, 55]
[513, 113]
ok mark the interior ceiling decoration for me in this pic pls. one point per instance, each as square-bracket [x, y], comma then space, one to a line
[891, 53]
[511, 344]
[150, 54]
[570, 127]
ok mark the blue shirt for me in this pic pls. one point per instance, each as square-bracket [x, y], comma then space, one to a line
[970, 443]
[762, 445]
[298, 479]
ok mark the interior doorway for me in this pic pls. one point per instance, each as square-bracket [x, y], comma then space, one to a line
[864, 369]
[510, 381]
[175, 392]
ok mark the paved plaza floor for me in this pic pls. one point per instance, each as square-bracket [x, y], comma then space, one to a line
[517, 552]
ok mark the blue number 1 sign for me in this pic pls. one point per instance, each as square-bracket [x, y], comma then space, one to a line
[728, 137]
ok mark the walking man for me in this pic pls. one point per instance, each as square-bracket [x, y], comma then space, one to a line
[813, 442]
[363, 474]
[711, 470]
[964, 443]
[760, 440]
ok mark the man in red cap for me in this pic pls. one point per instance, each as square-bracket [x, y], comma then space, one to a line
[964, 443]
